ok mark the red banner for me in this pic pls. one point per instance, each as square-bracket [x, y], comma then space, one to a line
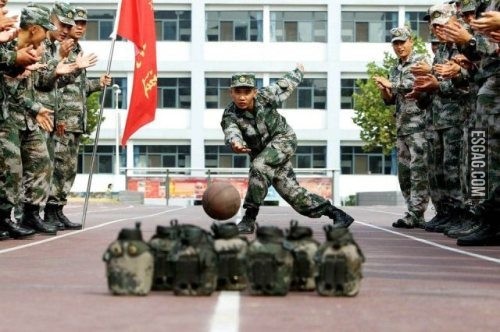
[137, 24]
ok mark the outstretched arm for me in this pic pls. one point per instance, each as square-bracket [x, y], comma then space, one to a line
[280, 90]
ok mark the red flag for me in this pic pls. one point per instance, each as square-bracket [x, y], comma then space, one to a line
[137, 24]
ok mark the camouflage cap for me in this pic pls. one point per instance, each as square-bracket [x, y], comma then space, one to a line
[64, 12]
[243, 80]
[401, 34]
[441, 14]
[36, 15]
[468, 6]
[80, 14]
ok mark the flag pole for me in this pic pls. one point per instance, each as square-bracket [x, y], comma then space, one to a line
[97, 133]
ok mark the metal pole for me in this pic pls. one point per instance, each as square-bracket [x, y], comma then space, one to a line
[96, 140]
[117, 91]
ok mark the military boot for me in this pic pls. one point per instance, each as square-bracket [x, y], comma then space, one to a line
[50, 216]
[485, 235]
[13, 230]
[340, 218]
[247, 223]
[439, 219]
[68, 224]
[4, 235]
[31, 219]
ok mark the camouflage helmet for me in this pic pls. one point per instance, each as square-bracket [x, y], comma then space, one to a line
[468, 6]
[400, 34]
[80, 14]
[243, 80]
[64, 12]
[441, 14]
[36, 15]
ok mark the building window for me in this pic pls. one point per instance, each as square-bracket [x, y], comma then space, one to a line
[173, 25]
[311, 93]
[162, 156]
[354, 160]
[110, 99]
[292, 26]
[105, 159]
[234, 26]
[217, 91]
[370, 27]
[221, 156]
[174, 92]
[100, 24]
[419, 26]
[348, 87]
[309, 157]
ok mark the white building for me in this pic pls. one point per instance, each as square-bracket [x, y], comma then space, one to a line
[202, 42]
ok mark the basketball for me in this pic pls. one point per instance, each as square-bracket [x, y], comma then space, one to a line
[221, 200]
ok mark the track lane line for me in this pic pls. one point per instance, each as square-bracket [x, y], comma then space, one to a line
[73, 233]
[226, 313]
[434, 244]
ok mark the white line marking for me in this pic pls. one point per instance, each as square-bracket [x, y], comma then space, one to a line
[73, 233]
[226, 314]
[434, 244]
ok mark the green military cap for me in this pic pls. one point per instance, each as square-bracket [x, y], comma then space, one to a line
[468, 6]
[80, 14]
[441, 14]
[36, 15]
[401, 34]
[64, 12]
[243, 80]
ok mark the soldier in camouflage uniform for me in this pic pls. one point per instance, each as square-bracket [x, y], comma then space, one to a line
[447, 111]
[252, 124]
[410, 123]
[28, 145]
[12, 62]
[487, 108]
[70, 125]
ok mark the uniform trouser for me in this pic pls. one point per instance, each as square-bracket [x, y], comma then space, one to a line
[412, 171]
[444, 163]
[272, 166]
[488, 117]
[37, 167]
[10, 165]
[65, 166]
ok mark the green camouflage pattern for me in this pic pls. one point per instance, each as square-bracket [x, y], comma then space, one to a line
[400, 34]
[413, 172]
[409, 117]
[231, 260]
[339, 263]
[269, 263]
[72, 116]
[442, 13]
[194, 262]
[161, 245]
[64, 12]
[246, 80]
[303, 248]
[10, 166]
[129, 267]
[36, 15]
[272, 142]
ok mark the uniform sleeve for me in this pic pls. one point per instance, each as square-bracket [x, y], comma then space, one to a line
[232, 132]
[280, 90]
[92, 85]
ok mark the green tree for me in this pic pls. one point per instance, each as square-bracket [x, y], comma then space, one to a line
[93, 109]
[377, 121]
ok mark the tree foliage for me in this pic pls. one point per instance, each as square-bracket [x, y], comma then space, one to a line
[376, 120]
[93, 109]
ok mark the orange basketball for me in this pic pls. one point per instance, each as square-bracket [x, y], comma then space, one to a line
[221, 200]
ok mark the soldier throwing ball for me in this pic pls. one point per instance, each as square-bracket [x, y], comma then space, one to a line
[252, 124]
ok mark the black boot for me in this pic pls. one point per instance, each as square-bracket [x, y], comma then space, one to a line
[50, 216]
[247, 224]
[485, 235]
[68, 224]
[4, 235]
[340, 218]
[31, 219]
[12, 229]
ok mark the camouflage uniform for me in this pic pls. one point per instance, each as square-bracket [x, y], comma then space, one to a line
[26, 146]
[272, 142]
[411, 143]
[71, 118]
[447, 113]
